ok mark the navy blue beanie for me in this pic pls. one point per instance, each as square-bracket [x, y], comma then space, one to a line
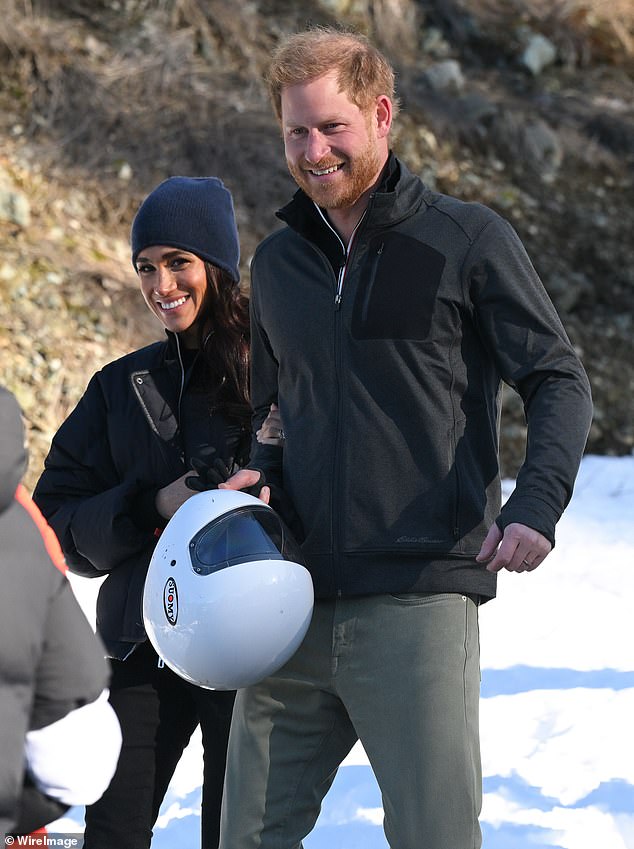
[194, 214]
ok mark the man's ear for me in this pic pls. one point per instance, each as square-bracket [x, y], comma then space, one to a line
[383, 115]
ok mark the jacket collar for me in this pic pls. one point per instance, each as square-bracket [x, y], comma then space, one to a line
[172, 347]
[399, 195]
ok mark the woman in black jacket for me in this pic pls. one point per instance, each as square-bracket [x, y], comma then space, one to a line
[120, 466]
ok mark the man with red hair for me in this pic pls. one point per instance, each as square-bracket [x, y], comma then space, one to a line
[385, 318]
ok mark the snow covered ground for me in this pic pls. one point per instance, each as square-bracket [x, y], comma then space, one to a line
[557, 699]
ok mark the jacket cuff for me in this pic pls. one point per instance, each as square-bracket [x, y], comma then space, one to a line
[143, 510]
[268, 460]
[532, 512]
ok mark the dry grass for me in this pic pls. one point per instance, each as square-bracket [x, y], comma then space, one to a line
[163, 86]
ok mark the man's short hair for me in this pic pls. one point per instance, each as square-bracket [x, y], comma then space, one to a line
[362, 71]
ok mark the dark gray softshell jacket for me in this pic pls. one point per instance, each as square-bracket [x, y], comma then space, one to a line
[390, 393]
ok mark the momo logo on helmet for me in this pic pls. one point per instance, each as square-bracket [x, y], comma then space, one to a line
[170, 601]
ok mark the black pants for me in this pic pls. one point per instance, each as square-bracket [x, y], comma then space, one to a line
[158, 712]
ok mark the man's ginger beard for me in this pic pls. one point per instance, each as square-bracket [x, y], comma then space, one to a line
[359, 173]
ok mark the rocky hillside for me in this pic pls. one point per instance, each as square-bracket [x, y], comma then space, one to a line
[527, 106]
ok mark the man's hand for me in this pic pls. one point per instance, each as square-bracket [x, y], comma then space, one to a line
[246, 479]
[272, 431]
[519, 549]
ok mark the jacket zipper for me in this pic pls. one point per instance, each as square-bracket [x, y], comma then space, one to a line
[335, 512]
[346, 250]
[339, 291]
[181, 392]
[182, 386]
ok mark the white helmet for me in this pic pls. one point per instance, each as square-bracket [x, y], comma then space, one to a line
[227, 600]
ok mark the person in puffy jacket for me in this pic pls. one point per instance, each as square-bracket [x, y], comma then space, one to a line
[148, 426]
[385, 319]
[59, 737]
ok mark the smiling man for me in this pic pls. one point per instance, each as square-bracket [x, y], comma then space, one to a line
[384, 318]
[334, 149]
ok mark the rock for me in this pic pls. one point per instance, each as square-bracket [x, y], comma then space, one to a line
[434, 43]
[538, 53]
[444, 76]
[14, 207]
[615, 132]
[542, 149]
[526, 143]
[125, 172]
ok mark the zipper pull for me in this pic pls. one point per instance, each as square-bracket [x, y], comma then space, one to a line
[339, 292]
[160, 663]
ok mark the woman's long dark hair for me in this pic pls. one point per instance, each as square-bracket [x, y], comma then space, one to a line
[225, 345]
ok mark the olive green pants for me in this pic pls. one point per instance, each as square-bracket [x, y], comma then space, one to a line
[400, 673]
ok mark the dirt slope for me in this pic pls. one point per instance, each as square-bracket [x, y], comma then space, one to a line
[526, 106]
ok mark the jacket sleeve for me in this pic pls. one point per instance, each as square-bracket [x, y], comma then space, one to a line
[72, 670]
[73, 742]
[82, 496]
[264, 390]
[520, 327]
[51, 662]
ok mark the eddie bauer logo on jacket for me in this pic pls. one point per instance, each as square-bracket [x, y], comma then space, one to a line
[170, 601]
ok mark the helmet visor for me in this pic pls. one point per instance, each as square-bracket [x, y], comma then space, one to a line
[248, 533]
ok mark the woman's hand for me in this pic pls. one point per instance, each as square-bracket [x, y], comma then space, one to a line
[271, 432]
[170, 497]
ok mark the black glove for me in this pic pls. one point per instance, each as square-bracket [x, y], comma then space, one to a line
[213, 472]
[209, 474]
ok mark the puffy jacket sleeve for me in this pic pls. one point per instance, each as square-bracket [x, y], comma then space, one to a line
[51, 662]
[520, 326]
[89, 505]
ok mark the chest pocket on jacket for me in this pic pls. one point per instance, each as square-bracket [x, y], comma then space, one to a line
[397, 289]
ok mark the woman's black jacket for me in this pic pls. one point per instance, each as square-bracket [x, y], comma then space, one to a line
[125, 439]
